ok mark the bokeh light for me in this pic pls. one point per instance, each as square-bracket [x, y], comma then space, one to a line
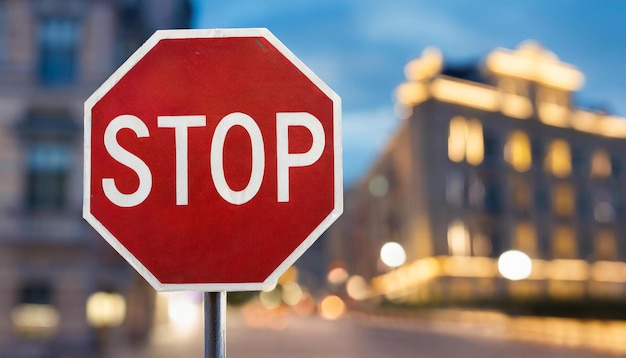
[392, 254]
[332, 307]
[514, 265]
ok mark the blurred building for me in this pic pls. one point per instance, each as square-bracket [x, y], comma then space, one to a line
[63, 291]
[492, 157]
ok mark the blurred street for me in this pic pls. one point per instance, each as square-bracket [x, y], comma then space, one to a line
[286, 334]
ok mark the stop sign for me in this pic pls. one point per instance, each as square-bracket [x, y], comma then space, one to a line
[212, 159]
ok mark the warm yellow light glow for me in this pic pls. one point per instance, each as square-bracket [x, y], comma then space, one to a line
[337, 276]
[609, 126]
[292, 293]
[106, 309]
[457, 139]
[271, 299]
[182, 310]
[467, 94]
[458, 239]
[35, 319]
[563, 200]
[606, 246]
[468, 266]
[425, 67]
[568, 270]
[525, 239]
[514, 98]
[564, 243]
[553, 114]
[517, 151]
[474, 142]
[332, 307]
[357, 288]
[600, 164]
[291, 275]
[532, 62]
[584, 121]
[392, 254]
[558, 160]
[514, 265]
[516, 106]
[608, 271]
[412, 93]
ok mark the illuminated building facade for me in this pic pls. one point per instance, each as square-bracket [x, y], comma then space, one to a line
[63, 291]
[493, 158]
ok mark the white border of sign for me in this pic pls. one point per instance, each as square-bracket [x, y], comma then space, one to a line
[213, 33]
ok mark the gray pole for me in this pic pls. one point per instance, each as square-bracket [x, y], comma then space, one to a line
[215, 324]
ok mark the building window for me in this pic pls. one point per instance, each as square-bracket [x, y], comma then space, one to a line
[520, 195]
[493, 196]
[542, 200]
[517, 151]
[458, 239]
[564, 245]
[563, 200]
[600, 164]
[58, 46]
[605, 246]
[34, 316]
[616, 167]
[604, 212]
[455, 188]
[456, 139]
[558, 159]
[525, 239]
[465, 141]
[47, 174]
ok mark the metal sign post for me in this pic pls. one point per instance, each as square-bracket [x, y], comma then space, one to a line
[215, 324]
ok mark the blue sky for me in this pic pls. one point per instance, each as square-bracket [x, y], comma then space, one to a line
[359, 47]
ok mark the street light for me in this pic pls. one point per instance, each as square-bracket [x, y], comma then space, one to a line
[515, 265]
[392, 254]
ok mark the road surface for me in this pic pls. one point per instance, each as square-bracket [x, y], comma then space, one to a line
[285, 334]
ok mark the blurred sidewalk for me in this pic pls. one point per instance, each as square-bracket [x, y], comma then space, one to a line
[598, 335]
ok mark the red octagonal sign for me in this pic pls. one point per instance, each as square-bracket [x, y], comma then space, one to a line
[212, 159]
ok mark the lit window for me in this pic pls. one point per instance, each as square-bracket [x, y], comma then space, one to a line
[34, 316]
[58, 46]
[600, 164]
[465, 141]
[558, 160]
[458, 239]
[563, 200]
[474, 141]
[520, 194]
[605, 246]
[456, 139]
[481, 245]
[517, 151]
[564, 244]
[525, 239]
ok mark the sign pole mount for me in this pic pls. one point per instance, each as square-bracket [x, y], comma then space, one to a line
[215, 324]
